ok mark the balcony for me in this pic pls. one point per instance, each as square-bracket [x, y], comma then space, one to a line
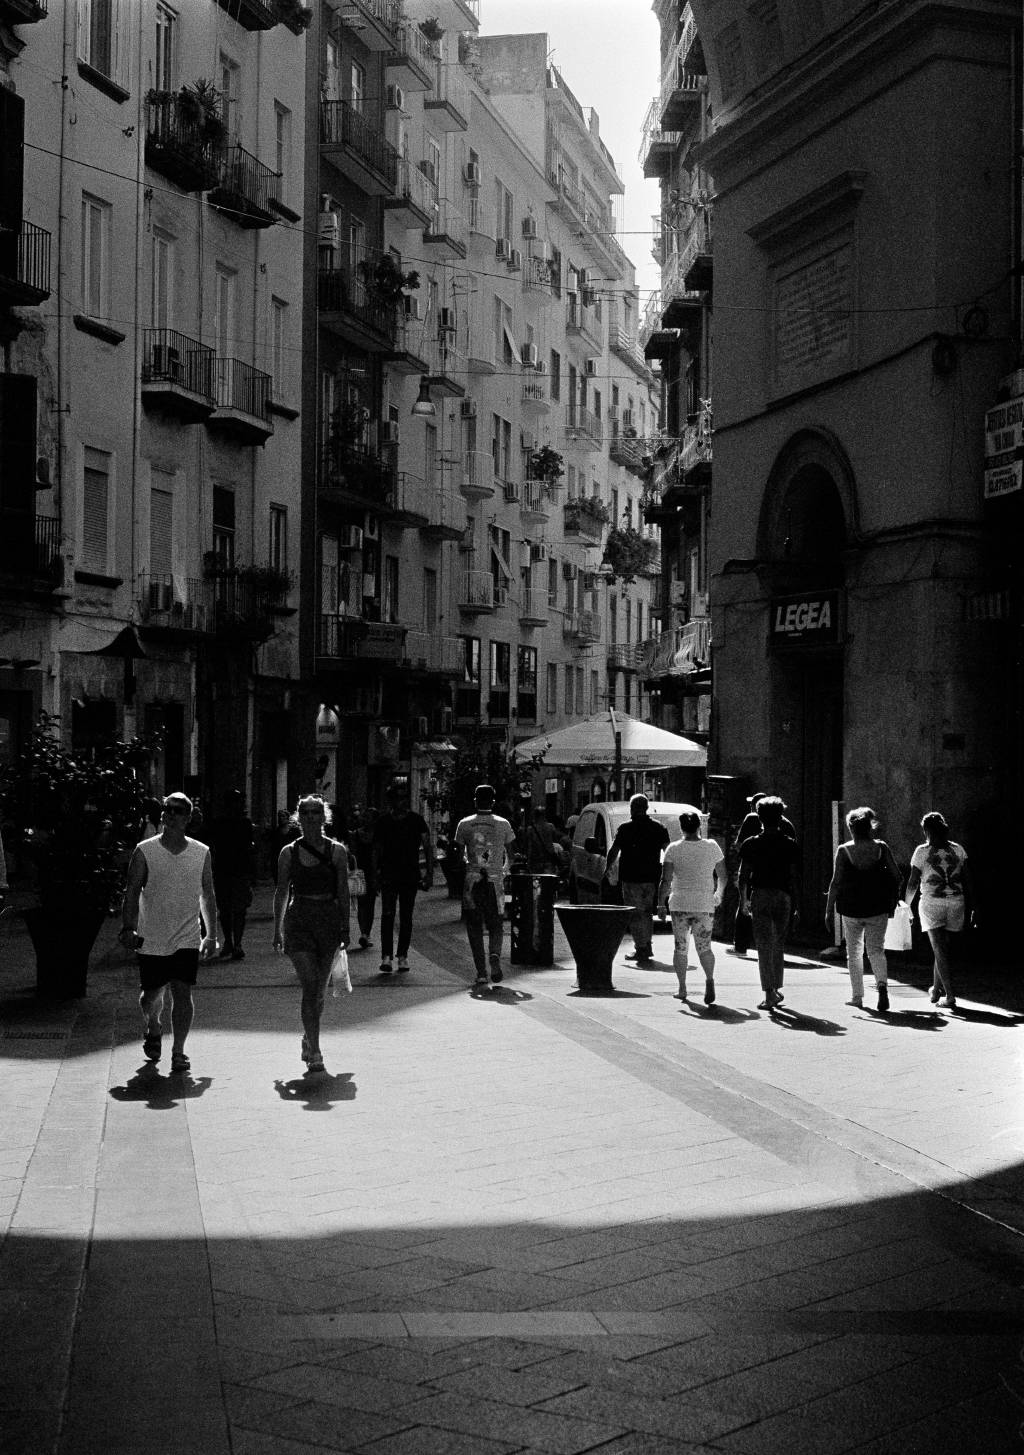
[582, 321]
[456, 14]
[240, 602]
[348, 308]
[658, 147]
[683, 651]
[534, 505]
[447, 365]
[243, 394]
[407, 354]
[477, 481]
[582, 627]
[411, 63]
[414, 199]
[246, 189]
[178, 375]
[446, 516]
[584, 519]
[695, 450]
[622, 342]
[22, 12]
[30, 550]
[683, 79]
[356, 149]
[351, 639]
[376, 22]
[513, 491]
[446, 105]
[476, 593]
[446, 230]
[534, 607]
[173, 603]
[625, 448]
[253, 14]
[410, 505]
[627, 656]
[176, 146]
[534, 396]
[436, 655]
[583, 428]
[696, 264]
[355, 475]
[683, 308]
[536, 275]
[24, 266]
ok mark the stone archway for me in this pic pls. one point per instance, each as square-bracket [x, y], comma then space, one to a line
[809, 510]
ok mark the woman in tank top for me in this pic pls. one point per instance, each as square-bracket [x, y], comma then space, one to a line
[865, 887]
[311, 914]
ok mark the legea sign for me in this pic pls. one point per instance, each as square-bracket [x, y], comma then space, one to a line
[807, 620]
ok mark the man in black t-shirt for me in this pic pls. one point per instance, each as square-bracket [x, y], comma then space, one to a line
[398, 838]
[641, 843]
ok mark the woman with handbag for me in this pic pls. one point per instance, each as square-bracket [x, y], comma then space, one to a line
[865, 887]
[311, 914]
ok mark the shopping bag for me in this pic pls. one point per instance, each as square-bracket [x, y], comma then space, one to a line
[899, 932]
[611, 872]
[339, 976]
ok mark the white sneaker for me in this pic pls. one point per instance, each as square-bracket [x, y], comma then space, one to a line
[403, 964]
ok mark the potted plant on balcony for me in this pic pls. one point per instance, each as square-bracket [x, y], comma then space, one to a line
[547, 464]
[627, 553]
[385, 280]
[588, 511]
[71, 820]
[432, 29]
[199, 106]
[296, 15]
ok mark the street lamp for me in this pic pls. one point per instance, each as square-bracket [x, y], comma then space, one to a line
[424, 406]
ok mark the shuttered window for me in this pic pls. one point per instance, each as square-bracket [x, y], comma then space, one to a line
[161, 514]
[96, 510]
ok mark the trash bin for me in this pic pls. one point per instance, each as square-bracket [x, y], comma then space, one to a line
[594, 932]
[533, 919]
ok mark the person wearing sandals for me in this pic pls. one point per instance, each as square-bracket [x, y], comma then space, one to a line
[939, 868]
[693, 879]
[865, 887]
[170, 883]
[311, 914]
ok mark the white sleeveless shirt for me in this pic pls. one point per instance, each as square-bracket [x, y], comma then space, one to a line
[169, 903]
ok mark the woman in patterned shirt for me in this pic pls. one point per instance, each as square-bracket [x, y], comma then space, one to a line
[939, 868]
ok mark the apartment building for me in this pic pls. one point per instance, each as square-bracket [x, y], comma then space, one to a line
[150, 289]
[677, 335]
[476, 426]
[867, 245]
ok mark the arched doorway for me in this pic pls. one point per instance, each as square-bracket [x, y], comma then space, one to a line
[806, 526]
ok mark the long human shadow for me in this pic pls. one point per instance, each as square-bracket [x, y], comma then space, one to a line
[795, 1020]
[161, 1093]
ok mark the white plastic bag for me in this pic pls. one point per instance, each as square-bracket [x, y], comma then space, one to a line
[339, 971]
[898, 932]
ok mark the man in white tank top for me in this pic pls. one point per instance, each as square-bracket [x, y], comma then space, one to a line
[170, 882]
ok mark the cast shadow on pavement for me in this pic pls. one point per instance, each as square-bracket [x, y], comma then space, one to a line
[793, 1020]
[910, 1020]
[726, 1014]
[499, 994]
[161, 1093]
[318, 1093]
[1009, 1020]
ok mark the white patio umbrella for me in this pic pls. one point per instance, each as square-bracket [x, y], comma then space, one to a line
[592, 743]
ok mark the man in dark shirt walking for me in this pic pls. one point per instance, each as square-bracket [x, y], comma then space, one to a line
[398, 837]
[641, 843]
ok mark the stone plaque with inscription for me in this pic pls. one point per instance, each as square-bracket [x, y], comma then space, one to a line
[813, 319]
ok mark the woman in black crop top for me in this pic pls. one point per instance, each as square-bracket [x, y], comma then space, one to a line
[311, 914]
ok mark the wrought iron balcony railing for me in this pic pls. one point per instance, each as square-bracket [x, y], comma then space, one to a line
[25, 265]
[342, 126]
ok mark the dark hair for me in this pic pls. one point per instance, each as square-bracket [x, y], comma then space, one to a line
[770, 810]
[484, 796]
[689, 821]
[935, 826]
[861, 822]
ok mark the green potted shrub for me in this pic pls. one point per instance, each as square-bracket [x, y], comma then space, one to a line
[547, 464]
[385, 280]
[71, 820]
[627, 553]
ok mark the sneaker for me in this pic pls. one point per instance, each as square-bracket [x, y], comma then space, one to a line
[151, 1045]
[497, 975]
[481, 982]
[386, 967]
[180, 1062]
[709, 992]
[883, 997]
[403, 964]
[949, 1001]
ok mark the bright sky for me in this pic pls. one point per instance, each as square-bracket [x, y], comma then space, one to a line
[607, 50]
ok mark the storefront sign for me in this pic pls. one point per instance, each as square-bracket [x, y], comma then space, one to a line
[807, 620]
[328, 729]
[1002, 475]
[1004, 427]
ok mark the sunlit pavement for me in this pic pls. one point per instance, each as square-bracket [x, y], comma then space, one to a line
[510, 1221]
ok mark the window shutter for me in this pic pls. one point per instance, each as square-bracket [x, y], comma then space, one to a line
[17, 442]
[12, 158]
[161, 516]
[84, 30]
[95, 500]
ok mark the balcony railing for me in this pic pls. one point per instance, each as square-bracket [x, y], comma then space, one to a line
[355, 638]
[173, 358]
[582, 627]
[343, 291]
[657, 145]
[227, 598]
[535, 394]
[415, 188]
[674, 76]
[476, 591]
[429, 652]
[412, 51]
[477, 482]
[584, 426]
[446, 227]
[25, 265]
[683, 650]
[358, 472]
[695, 445]
[342, 126]
[176, 146]
[241, 387]
[534, 500]
[651, 320]
[450, 94]
[253, 14]
[534, 605]
[245, 188]
[627, 656]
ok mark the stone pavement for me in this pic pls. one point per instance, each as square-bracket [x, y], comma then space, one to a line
[509, 1222]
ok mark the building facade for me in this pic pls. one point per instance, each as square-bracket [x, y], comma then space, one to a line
[150, 287]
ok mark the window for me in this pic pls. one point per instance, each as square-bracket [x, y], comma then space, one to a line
[278, 344]
[581, 708]
[165, 49]
[357, 87]
[229, 75]
[332, 69]
[501, 447]
[569, 697]
[597, 404]
[526, 683]
[161, 536]
[467, 692]
[556, 375]
[552, 582]
[430, 599]
[104, 40]
[96, 218]
[278, 537]
[499, 679]
[282, 148]
[390, 605]
[595, 691]
[224, 526]
[572, 394]
[505, 350]
[504, 211]
[224, 310]
[555, 268]
[613, 621]
[163, 279]
[430, 456]
[96, 510]
[571, 482]
[551, 704]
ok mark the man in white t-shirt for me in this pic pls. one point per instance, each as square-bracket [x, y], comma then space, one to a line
[485, 838]
[692, 883]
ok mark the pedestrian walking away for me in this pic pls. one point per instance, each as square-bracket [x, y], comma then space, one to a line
[233, 846]
[769, 885]
[399, 838]
[939, 868]
[864, 889]
[364, 822]
[693, 879]
[170, 884]
[640, 842]
[545, 848]
[485, 840]
[311, 914]
[743, 932]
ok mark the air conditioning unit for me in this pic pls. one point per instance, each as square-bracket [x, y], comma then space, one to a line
[538, 551]
[471, 174]
[413, 308]
[515, 260]
[394, 98]
[569, 571]
[529, 227]
[467, 409]
[527, 440]
[389, 432]
[446, 320]
[512, 491]
[503, 248]
[592, 367]
[529, 356]
[429, 171]
[371, 526]
[350, 538]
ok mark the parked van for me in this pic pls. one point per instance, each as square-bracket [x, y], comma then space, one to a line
[592, 838]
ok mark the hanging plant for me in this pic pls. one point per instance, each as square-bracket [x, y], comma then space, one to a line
[627, 554]
[432, 29]
[586, 507]
[385, 280]
[546, 464]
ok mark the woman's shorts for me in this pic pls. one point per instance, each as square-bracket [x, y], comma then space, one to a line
[156, 970]
[312, 927]
[698, 925]
[941, 914]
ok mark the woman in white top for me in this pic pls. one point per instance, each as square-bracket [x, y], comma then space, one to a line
[692, 882]
[939, 868]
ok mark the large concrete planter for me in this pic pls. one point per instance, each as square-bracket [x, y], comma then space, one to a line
[594, 932]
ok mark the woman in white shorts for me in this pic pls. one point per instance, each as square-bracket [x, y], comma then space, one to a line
[692, 881]
[939, 868]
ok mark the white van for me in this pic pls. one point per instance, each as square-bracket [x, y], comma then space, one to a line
[592, 838]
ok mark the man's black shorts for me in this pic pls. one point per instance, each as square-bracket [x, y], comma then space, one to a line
[157, 970]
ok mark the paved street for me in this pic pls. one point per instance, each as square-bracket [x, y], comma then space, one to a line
[517, 1221]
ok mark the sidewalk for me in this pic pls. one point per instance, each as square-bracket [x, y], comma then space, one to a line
[515, 1221]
